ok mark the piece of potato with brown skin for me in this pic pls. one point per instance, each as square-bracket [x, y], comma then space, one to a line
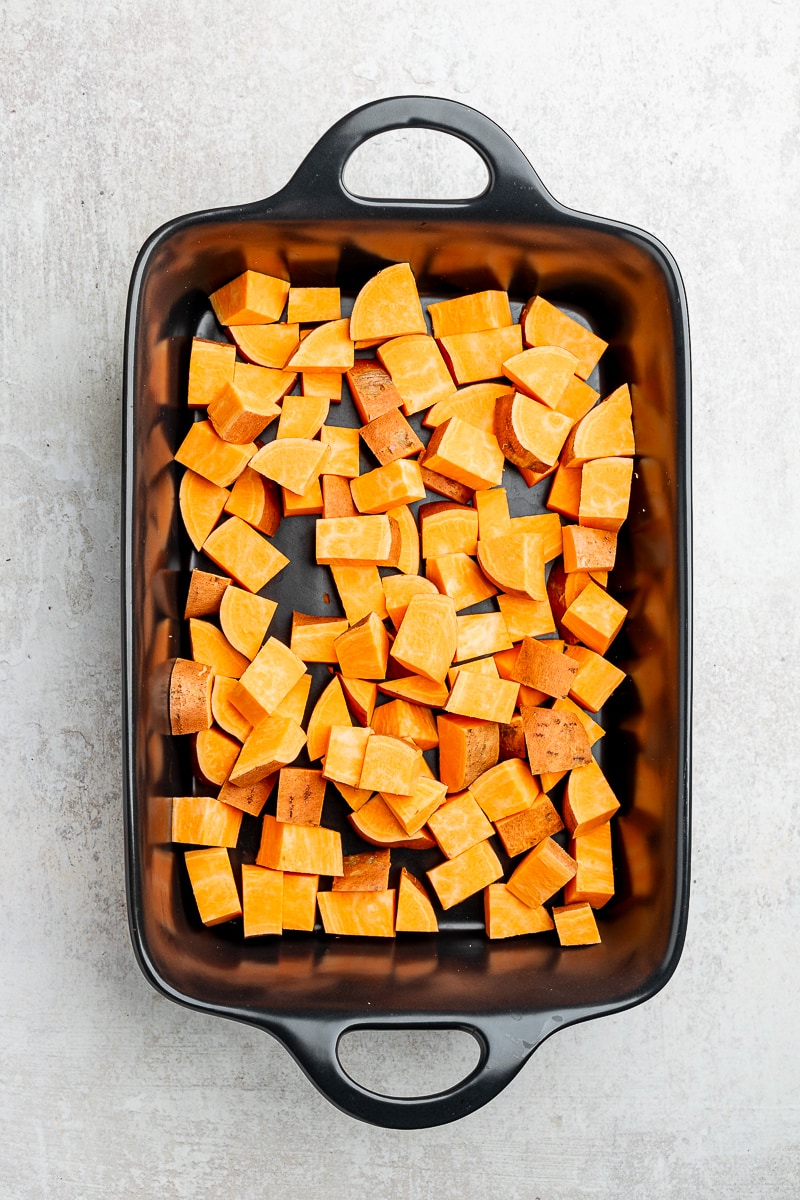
[530, 435]
[205, 593]
[301, 793]
[190, 689]
[390, 437]
[372, 389]
[556, 741]
[365, 872]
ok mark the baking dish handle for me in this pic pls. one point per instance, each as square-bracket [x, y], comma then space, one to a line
[505, 1041]
[319, 180]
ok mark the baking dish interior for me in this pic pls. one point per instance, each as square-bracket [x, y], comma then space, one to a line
[616, 280]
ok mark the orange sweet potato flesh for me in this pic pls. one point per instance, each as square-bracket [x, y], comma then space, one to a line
[596, 679]
[299, 901]
[358, 914]
[525, 617]
[344, 756]
[337, 499]
[415, 913]
[388, 305]
[190, 688]
[294, 702]
[556, 741]
[344, 452]
[418, 371]
[267, 680]
[542, 373]
[240, 416]
[322, 383]
[390, 437]
[302, 417]
[255, 499]
[327, 348]
[365, 872]
[415, 648]
[458, 824]
[400, 719]
[301, 793]
[605, 492]
[515, 562]
[545, 325]
[470, 314]
[211, 365]
[486, 699]
[292, 462]
[529, 434]
[205, 594]
[512, 739]
[565, 492]
[226, 714]
[434, 481]
[480, 634]
[313, 638]
[372, 389]
[549, 671]
[589, 549]
[474, 404]
[245, 619]
[398, 590]
[474, 357]
[252, 298]
[390, 765]
[209, 645]
[416, 689]
[247, 556]
[310, 304]
[459, 577]
[213, 755]
[307, 503]
[363, 650]
[505, 789]
[360, 590]
[595, 617]
[214, 887]
[593, 883]
[262, 900]
[204, 821]
[588, 800]
[547, 525]
[205, 452]
[266, 345]
[398, 483]
[448, 528]
[274, 743]
[408, 555]
[605, 432]
[361, 695]
[465, 454]
[201, 503]
[576, 925]
[368, 539]
[377, 824]
[414, 810]
[542, 873]
[506, 916]
[311, 849]
[331, 709]
[470, 872]
[467, 748]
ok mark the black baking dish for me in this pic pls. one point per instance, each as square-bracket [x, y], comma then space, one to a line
[306, 989]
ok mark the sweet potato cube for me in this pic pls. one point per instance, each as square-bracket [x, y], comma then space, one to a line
[505, 789]
[322, 383]
[465, 454]
[247, 556]
[427, 638]
[473, 357]
[398, 590]
[487, 699]
[400, 719]
[268, 679]
[361, 589]
[525, 617]
[328, 347]
[211, 877]
[565, 491]
[468, 873]
[605, 432]
[245, 619]
[545, 325]
[408, 555]
[331, 709]
[299, 901]
[523, 830]
[190, 688]
[459, 493]
[309, 304]
[413, 811]
[459, 577]
[595, 617]
[210, 646]
[596, 679]
[294, 702]
[274, 743]
[390, 437]
[399, 482]
[252, 298]
[372, 389]
[556, 741]
[576, 925]
[376, 823]
[448, 528]
[388, 305]
[266, 345]
[418, 371]
[547, 525]
[470, 314]
[210, 367]
[543, 871]
[306, 504]
[416, 689]
[292, 462]
[250, 799]
[226, 714]
[593, 882]
[605, 492]
[593, 731]
[363, 914]
[414, 910]
[255, 500]
[337, 499]
[239, 415]
[204, 821]
[542, 373]
[366, 872]
[515, 562]
[344, 450]
[480, 634]
[368, 539]
[311, 849]
[313, 638]
[301, 793]
[262, 900]
[205, 593]
[458, 824]
[474, 404]
[204, 452]
[363, 650]
[577, 399]
[344, 756]
[529, 434]
[361, 695]
[588, 800]
[539, 666]
[303, 417]
[467, 748]
[390, 765]
[588, 549]
[494, 518]
[506, 916]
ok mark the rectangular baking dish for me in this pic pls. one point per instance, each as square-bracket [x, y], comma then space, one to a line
[307, 989]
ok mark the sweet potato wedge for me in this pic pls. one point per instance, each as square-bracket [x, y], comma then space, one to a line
[467, 748]
[299, 901]
[344, 449]
[556, 741]
[390, 437]
[415, 648]
[245, 619]
[448, 528]
[505, 789]
[523, 830]
[515, 563]
[401, 719]
[363, 649]
[303, 417]
[408, 556]
[398, 483]
[413, 810]
[588, 800]
[274, 743]
[565, 491]
[484, 698]
[416, 689]
[322, 383]
[266, 345]
[226, 714]
[542, 372]
[344, 756]
[595, 617]
[301, 794]
[543, 871]
[294, 702]
[459, 577]
[256, 500]
[376, 824]
[311, 304]
[240, 416]
[209, 645]
[480, 634]
[388, 305]
[605, 493]
[362, 539]
[372, 389]
[205, 594]
[331, 709]
[250, 799]
[451, 489]
[541, 667]
[292, 462]
[213, 754]
[361, 695]
[328, 347]
[311, 849]
[605, 432]
[525, 617]
[267, 680]
[390, 765]
[360, 589]
[593, 882]
[313, 638]
[262, 900]
[398, 590]
[577, 399]
[470, 314]
[506, 916]
[304, 504]
[366, 872]
[247, 556]
[545, 325]
[529, 434]
[474, 404]
[576, 925]
[201, 503]
[458, 824]
[418, 371]
[337, 499]
[361, 914]
[210, 368]
[414, 910]
[588, 549]
[596, 679]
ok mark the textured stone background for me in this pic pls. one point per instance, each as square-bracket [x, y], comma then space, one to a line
[684, 121]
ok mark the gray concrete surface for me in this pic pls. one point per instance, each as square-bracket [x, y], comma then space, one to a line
[681, 118]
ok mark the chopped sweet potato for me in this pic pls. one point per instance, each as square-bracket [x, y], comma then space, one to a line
[448, 528]
[588, 549]
[252, 298]
[458, 824]
[292, 462]
[459, 577]
[547, 525]
[205, 594]
[401, 719]
[362, 539]
[239, 415]
[595, 617]
[308, 503]
[556, 741]
[322, 383]
[360, 589]
[525, 617]
[470, 314]
[388, 305]
[294, 702]
[605, 492]
[245, 619]
[266, 345]
[473, 357]
[605, 432]
[344, 756]
[505, 789]
[414, 910]
[262, 900]
[301, 793]
[299, 901]
[408, 556]
[390, 437]
[377, 824]
[480, 634]
[209, 645]
[226, 714]
[593, 882]
[565, 491]
[366, 872]
[529, 434]
[515, 562]
[467, 748]
[478, 666]
[213, 755]
[331, 709]
[415, 648]
[576, 925]
[344, 448]
[523, 830]
[466, 874]
[543, 871]
[204, 452]
[303, 417]
[506, 916]
[204, 821]
[247, 556]
[361, 695]
[398, 483]
[311, 849]
[512, 739]
[494, 518]
[464, 453]
[545, 325]
[201, 503]
[474, 404]
[363, 649]
[416, 689]
[190, 687]
[398, 590]
[487, 699]
[588, 800]
[363, 914]
[390, 765]
[210, 368]
[313, 638]
[274, 743]
[213, 885]
[267, 680]
[418, 371]
[255, 500]
[337, 499]
[250, 799]
[434, 481]
[310, 304]
[596, 679]
[542, 373]
[328, 347]
[413, 811]
[372, 389]
[549, 671]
